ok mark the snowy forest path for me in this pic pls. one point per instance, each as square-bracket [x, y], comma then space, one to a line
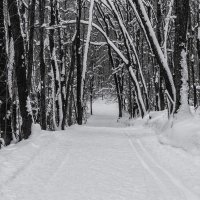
[102, 160]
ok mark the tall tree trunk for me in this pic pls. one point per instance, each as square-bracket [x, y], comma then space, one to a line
[190, 59]
[198, 38]
[54, 64]
[42, 66]
[181, 22]
[20, 70]
[160, 92]
[69, 84]
[30, 49]
[78, 63]
[5, 121]
[62, 67]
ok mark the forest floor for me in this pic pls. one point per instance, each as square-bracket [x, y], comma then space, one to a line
[103, 160]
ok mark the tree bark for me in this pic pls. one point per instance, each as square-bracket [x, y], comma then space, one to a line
[5, 121]
[42, 66]
[160, 92]
[20, 69]
[31, 38]
[79, 63]
[181, 23]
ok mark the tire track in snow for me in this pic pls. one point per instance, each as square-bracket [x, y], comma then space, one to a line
[27, 163]
[164, 179]
[148, 169]
[58, 171]
[52, 148]
[188, 194]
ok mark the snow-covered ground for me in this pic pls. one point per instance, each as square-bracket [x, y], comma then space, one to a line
[103, 160]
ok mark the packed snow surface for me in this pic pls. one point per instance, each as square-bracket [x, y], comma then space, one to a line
[103, 160]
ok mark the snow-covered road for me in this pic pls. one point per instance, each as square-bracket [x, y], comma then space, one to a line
[100, 161]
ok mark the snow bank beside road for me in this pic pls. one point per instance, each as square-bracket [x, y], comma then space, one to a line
[181, 132]
[184, 134]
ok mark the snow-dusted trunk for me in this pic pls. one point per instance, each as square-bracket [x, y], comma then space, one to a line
[168, 19]
[181, 25]
[87, 47]
[42, 67]
[145, 23]
[54, 65]
[61, 65]
[184, 109]
[30, 48]
[191, 49]
[5, 119]
[20, 69]
[69, 82]
[160, 92]
[198, 37]
[135, 57]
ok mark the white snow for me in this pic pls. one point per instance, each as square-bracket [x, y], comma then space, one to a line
[103, 160]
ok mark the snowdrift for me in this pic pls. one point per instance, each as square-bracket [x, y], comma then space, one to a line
[181, 132]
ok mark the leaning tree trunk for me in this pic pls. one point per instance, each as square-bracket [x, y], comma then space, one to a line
[145, 23]
[20, 70]
[130, 59]
[181, 23]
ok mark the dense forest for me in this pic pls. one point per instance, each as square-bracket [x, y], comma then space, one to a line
[57, 56]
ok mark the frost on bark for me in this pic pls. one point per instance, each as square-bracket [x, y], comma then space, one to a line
[20, 69]
[55, 67]
[160, 92]
[181, 23]
[69, 86]
[87, 47]
[184, 109]
[31, 38]
[5, 118]
[198, 37]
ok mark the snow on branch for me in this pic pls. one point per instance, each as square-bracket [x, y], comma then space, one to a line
[139, 8]
[109, 42]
